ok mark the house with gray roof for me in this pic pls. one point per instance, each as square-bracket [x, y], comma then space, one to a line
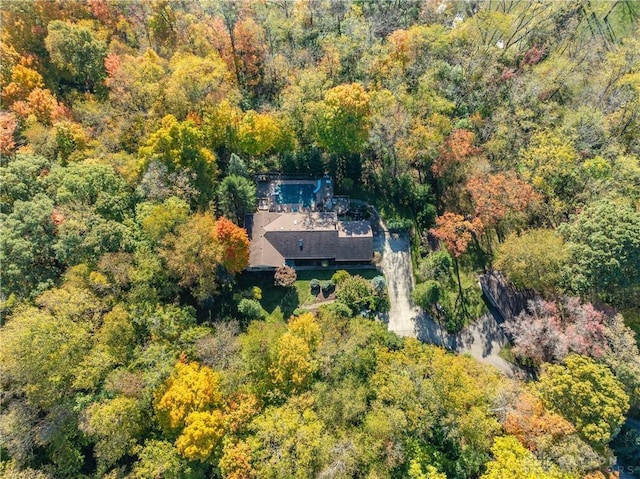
[307, 232]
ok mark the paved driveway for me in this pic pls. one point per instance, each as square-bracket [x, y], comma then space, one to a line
[483, 339]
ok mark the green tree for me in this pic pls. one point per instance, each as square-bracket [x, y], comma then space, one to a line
[262, 133]
[43, 374]
[236, 198]
[181, 146]
[604, 243]
[97, 186]
[77, 54]
[41, 387]
[295, 435]
[426, 294]
[535, 259]
[293, 366]
[258, 351]
[196, 82]
[237, 167]
[83, 236]
[357, 293]
[623, 357]
[251, 309]
[22, 178]
[27, 237]
[135, 83]
[587, 394]
[552, 165]
[159, 458]
[116, 425]
[193, 254]
[157, 220]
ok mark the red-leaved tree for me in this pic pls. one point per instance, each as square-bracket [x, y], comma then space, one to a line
[457, 232]
[495, 196]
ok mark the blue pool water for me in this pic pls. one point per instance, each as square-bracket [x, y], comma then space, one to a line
[295, 193]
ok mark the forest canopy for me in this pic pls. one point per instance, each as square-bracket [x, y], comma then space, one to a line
[493, 135]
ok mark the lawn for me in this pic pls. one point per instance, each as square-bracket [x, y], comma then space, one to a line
[288, 299]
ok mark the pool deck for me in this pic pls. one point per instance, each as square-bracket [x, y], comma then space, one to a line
[269, 200]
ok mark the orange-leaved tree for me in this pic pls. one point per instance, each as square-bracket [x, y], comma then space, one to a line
[496, 196]
[456, 149]
[233, 242]
[457, 232]
[199, 247]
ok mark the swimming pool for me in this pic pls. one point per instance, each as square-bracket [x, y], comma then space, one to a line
[295, 193]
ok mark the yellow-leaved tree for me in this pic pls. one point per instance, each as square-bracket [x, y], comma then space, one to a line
[191, 388]
[511, 459]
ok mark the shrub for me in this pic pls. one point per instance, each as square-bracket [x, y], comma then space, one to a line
[357, 293]
[399, 225]
[327, 287]
[426, 294]
[339, 309]
[285, 276]
[314, 285]
[379, 285]
[250, 309]
[339, 276]
[436, 266]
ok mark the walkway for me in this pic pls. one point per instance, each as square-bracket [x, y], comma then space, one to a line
[483, 339]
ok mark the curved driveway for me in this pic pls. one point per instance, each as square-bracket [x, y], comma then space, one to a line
[483, 339]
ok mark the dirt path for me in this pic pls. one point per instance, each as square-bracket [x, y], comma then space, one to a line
[318, 304]
[483, 339]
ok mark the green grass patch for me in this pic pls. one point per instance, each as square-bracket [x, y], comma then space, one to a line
[286, 300]
[305, 277]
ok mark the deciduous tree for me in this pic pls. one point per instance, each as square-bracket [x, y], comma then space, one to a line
[496, 196]
[180, 146]
[27, 239]
[293, 433]
[157, 220]
[457, 231]
[511, 459]
[135, 83]
[233, 243]
[159, 458]
[202, 436]
[250, 51]
[191, 388]
[342, 124]
[8, 127]
[77, 54]
[604, 241]
[587, 394]
[196, 82]
[115, 425]
[457, 148]
[357, 293]
[535, 259]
